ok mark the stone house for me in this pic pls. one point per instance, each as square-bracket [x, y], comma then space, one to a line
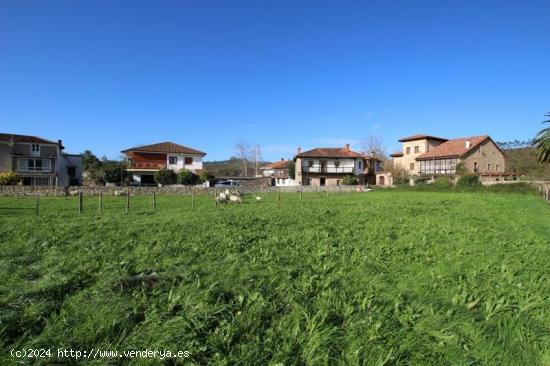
[430, 155]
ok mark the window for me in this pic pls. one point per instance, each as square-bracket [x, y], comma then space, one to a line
[172, 160]
[498, 168]
[438, 166]
[488, 167]
[35, 148]
[475, 167]
[310, 163]
[411, 167]
[408, 150]
[34, 164]
[336, 164]
[360, 165]
[188, 160]
[71, 171]
[337, 182]
[416, 149]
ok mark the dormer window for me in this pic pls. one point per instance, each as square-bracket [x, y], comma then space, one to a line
[35, 148]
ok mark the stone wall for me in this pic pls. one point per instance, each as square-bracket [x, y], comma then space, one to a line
[22, 191]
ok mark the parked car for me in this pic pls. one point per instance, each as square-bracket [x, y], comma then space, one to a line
[226, 183]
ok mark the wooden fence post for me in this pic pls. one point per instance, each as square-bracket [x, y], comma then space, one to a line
[300, 193]
[154, 200]
[100, 203]
[278, 195]
[80, 208]
[128, 201]
[193, 200]
[37, 205]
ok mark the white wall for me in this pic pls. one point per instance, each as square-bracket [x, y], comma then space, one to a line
[196, 165]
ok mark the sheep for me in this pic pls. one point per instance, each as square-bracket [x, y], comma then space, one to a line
[258, 198]
[236, 199]
[222, 198]
[119, 193]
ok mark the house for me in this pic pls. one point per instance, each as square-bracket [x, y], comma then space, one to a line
[39, 162]
[278, 172]
[430, 155]
[144, 161]
[328, 166]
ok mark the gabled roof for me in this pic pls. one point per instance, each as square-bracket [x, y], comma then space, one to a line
[330, 152]
[454, 148]
[165, 147]
[396, 154]
[280, 164]
[421, 137]
[9, 137]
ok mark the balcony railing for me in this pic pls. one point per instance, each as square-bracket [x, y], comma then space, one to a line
[328, 169]
[147, 165]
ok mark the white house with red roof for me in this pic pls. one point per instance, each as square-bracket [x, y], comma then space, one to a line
[278, 172]
[327, 166]
[144, 161]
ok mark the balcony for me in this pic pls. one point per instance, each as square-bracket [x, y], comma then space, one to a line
[328, 169]
[147, 165]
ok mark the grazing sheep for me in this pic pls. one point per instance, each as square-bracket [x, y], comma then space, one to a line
[222, 198]
[236, 199]
[119, 193]
[258, 198]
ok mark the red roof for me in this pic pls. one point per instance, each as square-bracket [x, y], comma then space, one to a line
[454, 148]
[396, 154]
[280, 164]
[9, 137]
[421, 137]
[330, 152]
[165, 147]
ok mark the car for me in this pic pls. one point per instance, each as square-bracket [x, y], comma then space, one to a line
[226, 183]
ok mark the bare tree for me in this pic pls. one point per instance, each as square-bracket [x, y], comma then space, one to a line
[242, 152]
[256, 153]
[374, 145]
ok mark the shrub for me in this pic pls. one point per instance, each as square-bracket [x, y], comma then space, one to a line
[469, 181]
[291, 169]
[350, 180]
[8, 179]
[442, 182]
[187, 177]
[165, 176]
[204, 175]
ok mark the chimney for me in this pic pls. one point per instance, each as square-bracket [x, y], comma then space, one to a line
[299, 151]
[60, 144]
[346, 147]
[468, 143]
[282, 159]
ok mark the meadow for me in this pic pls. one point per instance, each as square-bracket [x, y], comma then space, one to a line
[379, 278]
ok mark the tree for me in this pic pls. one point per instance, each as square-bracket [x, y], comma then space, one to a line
[8, 179]
[542, 143]
[114, 172]
[374, 145]
[242, 151]
[256, 153]
[187, 177]
[90, 161]
[165, 176]
[204, 175]
[291, 169]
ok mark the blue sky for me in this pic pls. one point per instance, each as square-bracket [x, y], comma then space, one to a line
[107, 75]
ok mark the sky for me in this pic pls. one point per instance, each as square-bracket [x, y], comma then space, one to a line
[109, 75]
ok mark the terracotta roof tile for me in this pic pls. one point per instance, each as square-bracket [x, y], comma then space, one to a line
[8, 137]
[421, 137]
[280, 164]
[396, 154]
[453, 148]
[165, 147]
[329, 152]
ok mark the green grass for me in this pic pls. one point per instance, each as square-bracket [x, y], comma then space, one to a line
[386, 277]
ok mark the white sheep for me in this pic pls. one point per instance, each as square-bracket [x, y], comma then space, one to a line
[236, 199]
[258, 198]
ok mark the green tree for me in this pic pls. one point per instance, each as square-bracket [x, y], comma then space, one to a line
[8, 179]
[468, 181]
[165, 176]
[291, 169]
[90, 162]
[542, 143]
[114, 172]
[187, 177]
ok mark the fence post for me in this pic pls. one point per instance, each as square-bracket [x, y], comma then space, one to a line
[193, 200]
[80, 208]
[128, 201]
[326, 190]
[154, 200]
[300, 193]
[37, 205]
[278, 195]
[100, 203]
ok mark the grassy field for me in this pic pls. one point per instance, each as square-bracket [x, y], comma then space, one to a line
[373, 278]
